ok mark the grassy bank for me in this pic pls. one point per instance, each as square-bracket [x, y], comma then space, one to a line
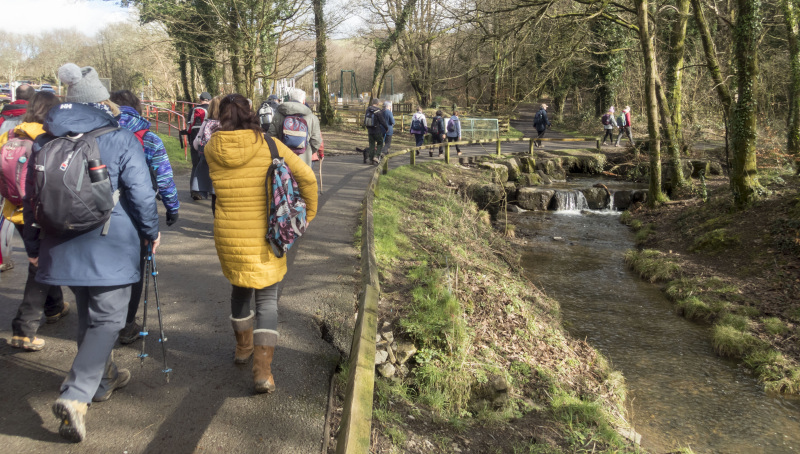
[175, 153]
[738, 270]
[494, 371]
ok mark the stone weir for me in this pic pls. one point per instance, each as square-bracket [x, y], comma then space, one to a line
[521, 181]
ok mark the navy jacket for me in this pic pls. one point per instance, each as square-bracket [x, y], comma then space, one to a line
[544, 123]
[91, 259]
[389, 117]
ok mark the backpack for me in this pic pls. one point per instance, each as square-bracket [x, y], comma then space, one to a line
[14, 156]
[451, 125]
[621, 120]
[369, 118]
[265, 114]
[66, 201]
[416, 125]
[606, 119]
[436, 126]
[286, 215]
[537, 119]
[295, 133]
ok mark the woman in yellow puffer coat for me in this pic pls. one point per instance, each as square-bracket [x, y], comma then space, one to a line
[238, 159]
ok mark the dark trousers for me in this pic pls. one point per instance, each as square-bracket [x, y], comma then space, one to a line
[437, 138]
[37, 299]
[454, 139]
[540, 134]
[610, 134]
[375, 145]
[101, 315]
[195, 157]
[420, 139]
[387, 142]
[266, 305]
[137, 287]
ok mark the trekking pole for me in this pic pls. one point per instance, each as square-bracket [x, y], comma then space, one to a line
[161, 338]
[150, 269]
[143, 332]
[320, 176]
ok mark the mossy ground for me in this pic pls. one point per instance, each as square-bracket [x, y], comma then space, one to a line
[451, 284]
[738, 270]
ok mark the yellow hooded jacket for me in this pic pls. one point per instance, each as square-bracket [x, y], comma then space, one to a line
[32, 130]
[238, 162]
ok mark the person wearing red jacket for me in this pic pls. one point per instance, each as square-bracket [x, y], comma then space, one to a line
[624, 123]
[12, 113]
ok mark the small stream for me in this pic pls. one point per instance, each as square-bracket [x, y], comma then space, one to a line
[680, 393]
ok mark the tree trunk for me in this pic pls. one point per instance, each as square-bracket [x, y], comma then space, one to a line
[383, 45]
[792, 20]
[711, 57]
[744, 175]
[326, 112]
[183, 67]
[651, 73]
[673, 147]
[675, 62]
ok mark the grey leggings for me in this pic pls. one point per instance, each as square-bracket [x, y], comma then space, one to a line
[266, 305]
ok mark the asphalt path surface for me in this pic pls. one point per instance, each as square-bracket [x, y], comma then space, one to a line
[208, 404]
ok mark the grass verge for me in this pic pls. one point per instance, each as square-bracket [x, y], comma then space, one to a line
[175, 152]
[492, 357]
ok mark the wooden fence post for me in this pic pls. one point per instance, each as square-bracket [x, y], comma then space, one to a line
[530, 147]
[498, 146]
[446, 151]
[413, 158]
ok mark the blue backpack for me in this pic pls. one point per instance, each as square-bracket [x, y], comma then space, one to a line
[286, 215]
[295, 133]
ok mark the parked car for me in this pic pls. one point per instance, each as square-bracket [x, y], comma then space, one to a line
[5, 93]
[47, 87]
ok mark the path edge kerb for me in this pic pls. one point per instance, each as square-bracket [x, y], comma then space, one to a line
[356, 422]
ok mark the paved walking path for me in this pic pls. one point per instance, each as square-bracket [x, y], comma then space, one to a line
[208, 405]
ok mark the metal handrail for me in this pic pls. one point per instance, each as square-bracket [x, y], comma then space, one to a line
[152, 113]
[447, 145]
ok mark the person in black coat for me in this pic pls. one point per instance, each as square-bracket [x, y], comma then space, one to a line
[99, 269]
[541, 123]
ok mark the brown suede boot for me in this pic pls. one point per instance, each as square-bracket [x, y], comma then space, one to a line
[265, 341]
[243, 329]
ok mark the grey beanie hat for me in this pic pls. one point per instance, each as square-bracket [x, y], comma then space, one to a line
[83, 84]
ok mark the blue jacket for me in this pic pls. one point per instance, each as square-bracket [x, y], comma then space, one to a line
[389, 117]
[91, 259]
[155, 154]
[457, 127]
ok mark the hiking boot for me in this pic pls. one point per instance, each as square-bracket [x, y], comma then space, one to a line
[71, 413]
[243, 330]
[57, 317]
[27, 344]
[130, 333]
[123, 378]
[262, 370]
[7, 266]
[430, 153]
[196, 195]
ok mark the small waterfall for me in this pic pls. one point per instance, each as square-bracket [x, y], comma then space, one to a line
[568, 201]
[611, 201]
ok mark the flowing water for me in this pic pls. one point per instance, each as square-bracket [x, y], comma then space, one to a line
[681, 394]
